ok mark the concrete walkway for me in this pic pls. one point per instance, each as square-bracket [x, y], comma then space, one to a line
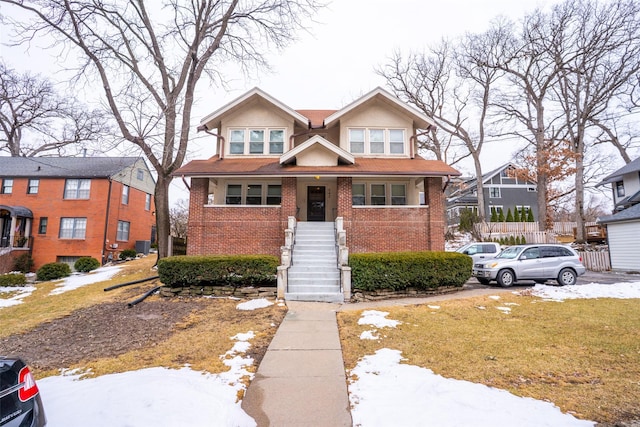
[301, 380]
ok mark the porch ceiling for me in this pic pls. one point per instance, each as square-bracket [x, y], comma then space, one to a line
[272, 167]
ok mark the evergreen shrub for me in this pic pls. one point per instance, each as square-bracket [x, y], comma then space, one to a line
[53, 271]
[86, 264]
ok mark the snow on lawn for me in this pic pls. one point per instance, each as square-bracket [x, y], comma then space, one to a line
[152, 397]
[254, 304]
[21, 292]
[76, 281]
[589, 290]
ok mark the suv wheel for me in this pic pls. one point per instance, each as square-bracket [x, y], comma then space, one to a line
[567, 277]
[506, 278]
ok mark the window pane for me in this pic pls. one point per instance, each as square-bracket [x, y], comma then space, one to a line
[34, 184]
[125, 195]
[378, 194]
[254, 194]
[123, 230]
[356, 140]
[274, 194]
[357, 195]
[42, 227]
[396, 141]
[147, 202]
[140, 175]
[376, 141]
[7, 186]
[236, 142]
[276, 141]
[72, 228]
[256, 141]
[398, 194]
[234, 195]
[83, 190]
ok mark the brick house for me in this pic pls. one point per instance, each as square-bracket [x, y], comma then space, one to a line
[357, 167]
[59, 209]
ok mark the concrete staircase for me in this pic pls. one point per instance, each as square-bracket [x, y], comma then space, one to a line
[314, 274]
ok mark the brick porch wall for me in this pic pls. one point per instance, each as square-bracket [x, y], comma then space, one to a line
[237, 230]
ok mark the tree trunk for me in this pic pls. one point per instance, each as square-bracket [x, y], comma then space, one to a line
[482, 214]
[163, 224]
[580, 230]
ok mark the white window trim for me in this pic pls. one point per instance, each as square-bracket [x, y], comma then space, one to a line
[73, 230]
[499, 196]
[387, 194]
[386, 141]
[243, 194]
[266, 146]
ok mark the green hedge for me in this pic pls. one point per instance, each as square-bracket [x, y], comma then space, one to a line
[218, 270]
[85, 264]
[13, 279]
[53, 271]
[128, 254]
[401, 270]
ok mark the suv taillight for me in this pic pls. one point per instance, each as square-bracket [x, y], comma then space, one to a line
[28, 387]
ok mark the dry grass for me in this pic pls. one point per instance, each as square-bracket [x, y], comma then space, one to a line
[582, 355]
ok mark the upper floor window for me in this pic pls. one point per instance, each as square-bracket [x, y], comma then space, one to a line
[494, 192]
[42, 226]
[256, 141]
[620, 188]
[140, 175]
[147, 202]
[123, 230]
[376, 141]
[34, 185]
[7, 186]
[77, 188]
[125, 194]
[73, 228]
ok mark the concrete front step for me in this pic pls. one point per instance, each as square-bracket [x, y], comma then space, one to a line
[315, 296]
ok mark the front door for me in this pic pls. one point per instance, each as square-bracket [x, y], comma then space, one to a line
[315, 203]
[5, 229]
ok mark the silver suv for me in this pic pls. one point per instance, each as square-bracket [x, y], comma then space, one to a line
[539, 263]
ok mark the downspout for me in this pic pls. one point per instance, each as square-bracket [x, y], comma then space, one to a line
[221, 140]
[413, 138]
[106, 221]
[186, 184]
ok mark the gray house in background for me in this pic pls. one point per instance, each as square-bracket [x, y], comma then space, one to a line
[504, 190]
[623, 226]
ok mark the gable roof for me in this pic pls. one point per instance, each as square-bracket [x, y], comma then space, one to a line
[316, 117]
[471, 183]
[213, 120]
[421, 120]
[270, 167]
[629, 214]
[343, 155]
[64, 167]
[633, 166]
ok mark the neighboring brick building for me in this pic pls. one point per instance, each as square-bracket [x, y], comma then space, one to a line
[62, 208]
[273, 162]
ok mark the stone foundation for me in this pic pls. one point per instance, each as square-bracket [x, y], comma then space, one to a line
[384, 294]
[219, 291]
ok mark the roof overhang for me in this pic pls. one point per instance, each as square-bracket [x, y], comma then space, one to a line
[18, 211]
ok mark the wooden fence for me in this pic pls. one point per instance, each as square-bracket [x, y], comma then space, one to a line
[596, 261]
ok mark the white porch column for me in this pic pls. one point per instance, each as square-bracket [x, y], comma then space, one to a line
[12, 231]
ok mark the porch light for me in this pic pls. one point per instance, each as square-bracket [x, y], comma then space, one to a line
[317, 177]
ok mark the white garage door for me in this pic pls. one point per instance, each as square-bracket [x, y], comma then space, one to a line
[623, 245]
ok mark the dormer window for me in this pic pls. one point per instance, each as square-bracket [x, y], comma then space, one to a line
[256, 141]
[376, 141]
[620, 188]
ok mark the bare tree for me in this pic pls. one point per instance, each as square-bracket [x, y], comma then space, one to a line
[179, 214]
[447, 84]
[148, 61]
[600, 54]
[35, 120]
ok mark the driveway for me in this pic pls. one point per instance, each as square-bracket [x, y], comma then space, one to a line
[604, 277]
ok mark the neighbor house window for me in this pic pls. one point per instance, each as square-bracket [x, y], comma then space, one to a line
[140, 175]
[34, 185]
[620, 188]
[276, 142]
[73, 228]
[125, 194]
[236, 142]
[494, 192]
[254, 194]
[358, 197]
[274, 194]
[356, 140]
[7, 186]
[123, 230]
[378, 194]
[234, 194]
[398, 194]
[42, 225]
[147, 202]
[77, 188]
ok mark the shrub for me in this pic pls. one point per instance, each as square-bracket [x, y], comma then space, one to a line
[400, 270]
[53, 271]
[128, 253]
[218, 270]
[12, 279]
[468, 219]
[509, 216]
[24, 263]
[530, 216]
[86, 264]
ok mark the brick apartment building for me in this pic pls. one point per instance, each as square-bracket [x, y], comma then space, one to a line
[359, 163]
[59, 209]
